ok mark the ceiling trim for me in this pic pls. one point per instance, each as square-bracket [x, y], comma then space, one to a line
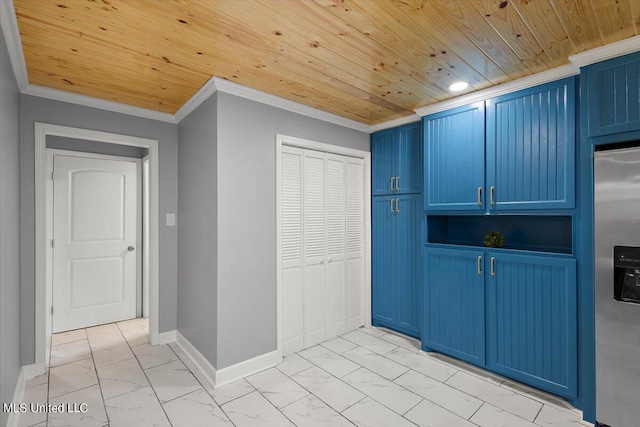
[103, 104]
[501, 89]
[611, 50]
[395, 122]
[207, 89]
[232, 88]
[9, 25]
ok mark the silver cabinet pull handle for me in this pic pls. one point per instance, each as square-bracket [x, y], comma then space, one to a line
[492, 195]
[493, 266]
[397, 205]
[479, 265]
[130, 248]
[397, 183]
[392, 210]
[479, 196]
[393, 178]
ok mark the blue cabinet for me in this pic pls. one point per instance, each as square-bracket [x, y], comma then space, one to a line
[454, 159]
[396, 280]
[530, 148]
[454, 303]
[509, 312]
[613, 95]
[396, 160]
[532, 320]
[513, 152]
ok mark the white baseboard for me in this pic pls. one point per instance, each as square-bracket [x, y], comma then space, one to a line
[18, 397]
[207, 369]
[32, 371]
[246, 368]
[163, 338]
[219, 377]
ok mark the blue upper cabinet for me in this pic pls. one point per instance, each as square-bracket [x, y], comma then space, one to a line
[530, 148]
[532, 321]
[526, 142]
[383, 145]
[454, 159]
[613, 95]
[396, 160]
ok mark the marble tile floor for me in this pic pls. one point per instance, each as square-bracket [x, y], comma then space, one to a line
[365, 378]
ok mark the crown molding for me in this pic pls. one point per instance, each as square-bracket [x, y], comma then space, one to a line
[609, 51]
[395, 122]
[295, 107]
[103, 104]
[501, 89]
[9, 25]
[207, 89]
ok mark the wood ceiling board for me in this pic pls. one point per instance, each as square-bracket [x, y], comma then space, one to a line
[613, 18]
[473, 26]
[508, 25]
[409, 45]
[635, 16]
[240, 43]
[448, 39]
[381, 60]
[548, 31]
[313, 52]
[579, 23]
[370, 61]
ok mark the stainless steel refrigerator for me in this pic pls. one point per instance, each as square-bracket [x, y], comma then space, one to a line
[617, 282]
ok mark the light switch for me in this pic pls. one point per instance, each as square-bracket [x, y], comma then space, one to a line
[171, 220]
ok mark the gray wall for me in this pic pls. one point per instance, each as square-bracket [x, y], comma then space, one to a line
[34, 109]
[9, 231]
[247, 218]
[197, 228]
[96, 147]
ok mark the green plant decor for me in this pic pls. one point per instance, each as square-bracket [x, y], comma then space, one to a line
[493, 239]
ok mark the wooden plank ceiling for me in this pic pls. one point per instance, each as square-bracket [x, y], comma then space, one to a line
[367, 60]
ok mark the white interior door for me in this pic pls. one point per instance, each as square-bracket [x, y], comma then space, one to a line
[336, 237]
[355, 277]
[291, 212]
[314, 248]
[95, 241]
[322, 244]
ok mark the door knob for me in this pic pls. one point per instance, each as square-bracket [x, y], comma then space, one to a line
[130, 248]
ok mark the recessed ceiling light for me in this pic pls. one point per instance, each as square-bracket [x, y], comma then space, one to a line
[458, 86]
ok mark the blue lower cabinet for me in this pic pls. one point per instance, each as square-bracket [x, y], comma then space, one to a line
[514, 314]
[454, 303]
[532, 321]
[396, 282]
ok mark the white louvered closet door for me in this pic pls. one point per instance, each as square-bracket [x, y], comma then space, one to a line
[322, 210]
[291, 211]
[336, 239]
[314, 248]
[354, 195]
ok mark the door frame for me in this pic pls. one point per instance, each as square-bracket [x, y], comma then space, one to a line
[333, 149]
[43, 255]
[140, 271]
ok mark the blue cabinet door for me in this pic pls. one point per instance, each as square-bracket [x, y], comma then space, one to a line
[532, 321]
[407, 263]
[454, 318]
[613, 95]
[409, 159]
[383, 162]
[530, 155]
[454, 159]
[383, 254]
